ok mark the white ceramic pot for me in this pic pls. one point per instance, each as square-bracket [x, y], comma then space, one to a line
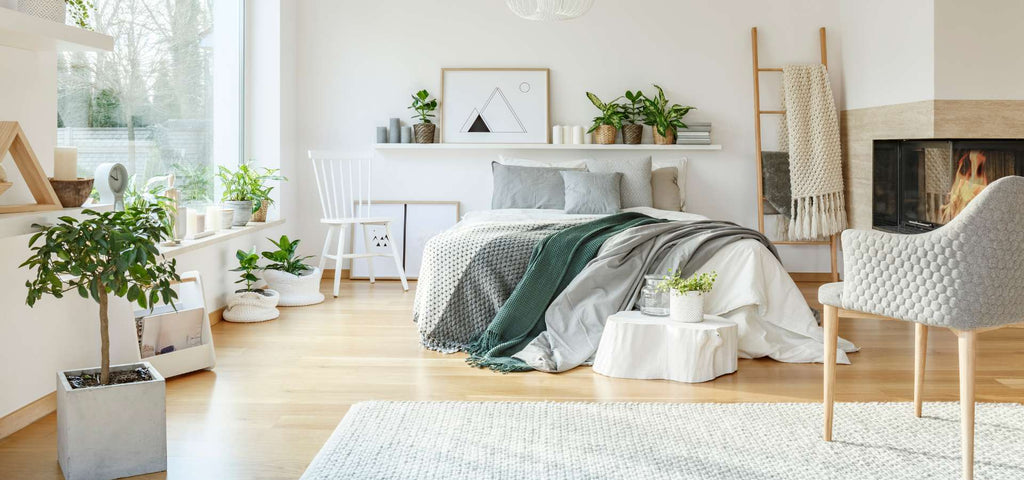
[295, 290]
[111, 431]
[243, 212]
[53, 10]
[686, 307]
[248, 307]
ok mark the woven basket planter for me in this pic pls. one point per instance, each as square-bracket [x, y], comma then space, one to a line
[295, 290]
[249, 307]
[424, 132]
[632, 134]
[53, 10]
[668, 139]
[605, 134]
[261, 214]
[72, 193]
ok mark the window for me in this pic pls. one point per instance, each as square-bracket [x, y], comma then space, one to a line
[166, 100]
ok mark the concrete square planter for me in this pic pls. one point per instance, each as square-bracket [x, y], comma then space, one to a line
[111, 431]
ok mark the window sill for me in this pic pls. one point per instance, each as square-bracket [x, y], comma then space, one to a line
[18, 224]
[186, 246]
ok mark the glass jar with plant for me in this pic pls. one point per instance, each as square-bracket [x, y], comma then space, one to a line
[606, 125]
[245, 190]
[288, 274]
[686, 303]
[424, 107]
[250, 304]
[633, 118]
[664, 119]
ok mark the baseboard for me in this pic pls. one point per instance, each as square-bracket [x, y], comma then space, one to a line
[24, 416]
[821, 277]
[329, 274]
[216, 316]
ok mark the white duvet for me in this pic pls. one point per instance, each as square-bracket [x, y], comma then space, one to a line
[753, 290]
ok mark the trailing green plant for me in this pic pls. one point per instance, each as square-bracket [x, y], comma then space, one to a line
[611, 112]
[196, 183]
[424, 108]
[247, 183]
[79, 10]
[662, 117]
[248, 264]
[103, 254]
[633, 112]
[697, 283]
[284, 258]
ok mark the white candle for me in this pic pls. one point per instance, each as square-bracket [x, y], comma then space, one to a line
[190, 222]
[577, 135]
[213, 218]
[200, 222]
[566, 134]
[556, 135]
[227, 216]
[65, 163]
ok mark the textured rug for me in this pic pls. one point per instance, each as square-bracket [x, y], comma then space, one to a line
[520, 440]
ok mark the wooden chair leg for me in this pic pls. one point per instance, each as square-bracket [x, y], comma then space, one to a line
[831, 324]
[366, 247]
[967, 340]
[339, 263]
[920, 352]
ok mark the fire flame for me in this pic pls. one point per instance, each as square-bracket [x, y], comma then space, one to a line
[970, 180]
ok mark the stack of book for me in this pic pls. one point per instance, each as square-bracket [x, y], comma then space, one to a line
[695, 133]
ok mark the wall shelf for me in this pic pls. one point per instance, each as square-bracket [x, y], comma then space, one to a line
[536, 146]
[19, 30]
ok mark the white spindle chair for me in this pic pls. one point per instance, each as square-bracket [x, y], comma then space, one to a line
[344, 186]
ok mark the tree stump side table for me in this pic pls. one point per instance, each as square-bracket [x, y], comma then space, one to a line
[639, 346]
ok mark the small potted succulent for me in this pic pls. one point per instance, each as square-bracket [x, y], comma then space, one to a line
[633, 118]
[424, 107]
[686, 302]
[664, 119]
[297, 283]
[606, 125]
[245, 191]
[250, 304]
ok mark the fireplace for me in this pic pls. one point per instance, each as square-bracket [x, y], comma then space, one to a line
[920, 185]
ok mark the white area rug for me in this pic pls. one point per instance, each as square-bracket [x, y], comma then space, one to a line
[521, 440]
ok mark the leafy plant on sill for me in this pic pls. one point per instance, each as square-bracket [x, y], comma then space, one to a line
[633, 112]
[611, 112]
[196, 181]
[662, 117]
[79, 11]
[701, 283]
[248, 263]
[284, 258]
[424, 108]
[138, 200]
[248, 184]
[104, 254]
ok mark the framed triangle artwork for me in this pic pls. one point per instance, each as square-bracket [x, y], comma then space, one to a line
[13, 140]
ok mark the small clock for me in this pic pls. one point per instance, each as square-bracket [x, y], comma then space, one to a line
[111, 182]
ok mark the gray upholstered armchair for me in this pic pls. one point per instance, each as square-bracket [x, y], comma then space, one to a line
[967, 276]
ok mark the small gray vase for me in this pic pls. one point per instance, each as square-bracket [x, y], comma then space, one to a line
[243, 212]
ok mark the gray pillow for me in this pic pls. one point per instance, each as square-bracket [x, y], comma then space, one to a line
[527, 187]
[636, 179]
[592, 193]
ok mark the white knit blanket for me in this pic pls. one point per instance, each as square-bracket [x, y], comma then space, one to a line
[810, 132]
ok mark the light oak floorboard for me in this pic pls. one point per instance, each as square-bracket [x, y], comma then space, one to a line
[281, 387]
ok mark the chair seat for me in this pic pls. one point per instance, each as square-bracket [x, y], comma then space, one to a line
[354, 220]
[831, 294]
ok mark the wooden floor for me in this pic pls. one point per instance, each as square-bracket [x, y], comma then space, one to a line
[281, 387]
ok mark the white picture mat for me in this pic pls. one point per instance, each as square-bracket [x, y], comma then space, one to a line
[383, 267]
[513, 101]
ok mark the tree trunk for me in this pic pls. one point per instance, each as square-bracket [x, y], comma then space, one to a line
[104, 338]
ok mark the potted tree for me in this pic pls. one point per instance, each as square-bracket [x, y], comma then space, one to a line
[250, 304]
[606, 125]
[686, 299]
[244, 190]
[664, 119]
[633, 117]
[297, 283]
[424, 107]
[111, 420]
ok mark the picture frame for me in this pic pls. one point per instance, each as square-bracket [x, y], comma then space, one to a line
[495, 105]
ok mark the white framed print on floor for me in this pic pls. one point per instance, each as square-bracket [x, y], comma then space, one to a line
[495, 105]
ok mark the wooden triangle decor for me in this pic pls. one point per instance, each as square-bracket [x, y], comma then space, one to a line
[13, 140]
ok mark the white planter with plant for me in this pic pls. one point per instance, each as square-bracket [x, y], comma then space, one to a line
[686, 298]
[251, 304]
[246, 192]
[424, 107]
[110, 421]
[297, 283]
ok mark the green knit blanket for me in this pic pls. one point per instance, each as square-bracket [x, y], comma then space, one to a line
[555, 261]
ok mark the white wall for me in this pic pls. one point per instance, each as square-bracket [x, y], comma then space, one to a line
[357, 62]
[978, 54]
[28, 86]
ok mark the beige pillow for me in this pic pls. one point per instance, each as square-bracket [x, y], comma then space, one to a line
[665, 189]
[526, 162]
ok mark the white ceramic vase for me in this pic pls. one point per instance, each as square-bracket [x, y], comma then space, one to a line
[249, 307]
[686, 307]
[53, 10]
[295, 290]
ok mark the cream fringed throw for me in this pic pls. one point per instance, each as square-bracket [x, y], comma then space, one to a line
[810, 130]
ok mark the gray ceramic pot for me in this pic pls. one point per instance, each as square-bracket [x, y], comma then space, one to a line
[243, 212]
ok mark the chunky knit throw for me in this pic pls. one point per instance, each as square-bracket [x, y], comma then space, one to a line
[810, 131]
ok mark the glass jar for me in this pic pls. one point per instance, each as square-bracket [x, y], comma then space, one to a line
[652, 301]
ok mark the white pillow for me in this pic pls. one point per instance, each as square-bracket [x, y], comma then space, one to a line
[525, 162]
[680, 165]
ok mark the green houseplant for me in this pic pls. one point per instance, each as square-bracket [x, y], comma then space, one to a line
[245, 190]
[424, 107]
[633, 117]
[250, 304]
[664, 119]
[686, 303]
[606, 125]
[288, 275]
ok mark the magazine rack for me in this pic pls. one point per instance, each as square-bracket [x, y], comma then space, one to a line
[181, 331]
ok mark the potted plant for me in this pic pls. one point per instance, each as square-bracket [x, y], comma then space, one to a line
[607, 124]
[250, 304]
[424, 111]
[245, 192]
[664, 119]
[296, 283]
[111, 420]
[57, 10]
[261, 193]
[686, 302]
[633, 117]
